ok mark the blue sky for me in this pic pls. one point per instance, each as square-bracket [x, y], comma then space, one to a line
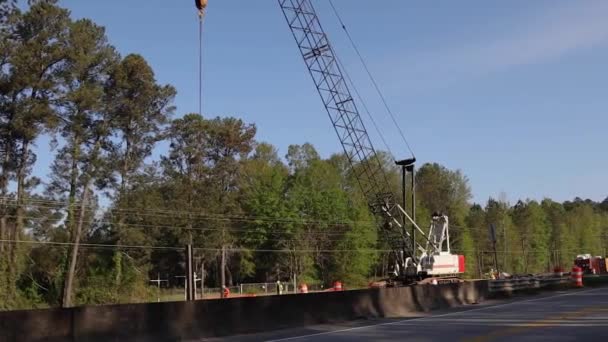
[513, 93]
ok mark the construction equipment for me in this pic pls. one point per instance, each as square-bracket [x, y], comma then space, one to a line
[590, 264]
[411, 260]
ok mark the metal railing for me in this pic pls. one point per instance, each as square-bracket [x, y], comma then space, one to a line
[526, 283]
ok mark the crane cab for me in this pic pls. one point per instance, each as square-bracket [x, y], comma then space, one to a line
[438, 259]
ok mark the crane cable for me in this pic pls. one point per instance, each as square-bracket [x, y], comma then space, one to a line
[371, 77]
[201, 18]
[365, 108]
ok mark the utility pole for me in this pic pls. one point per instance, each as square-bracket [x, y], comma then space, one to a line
[223, 262]
[222, 269]
[504, 237]
[493, 239]
[190, 295]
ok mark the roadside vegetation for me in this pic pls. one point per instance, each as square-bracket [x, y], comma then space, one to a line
[116, 209]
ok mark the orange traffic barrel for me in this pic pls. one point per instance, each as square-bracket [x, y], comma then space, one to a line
[558, 271]
[577, 276]
[337, 286]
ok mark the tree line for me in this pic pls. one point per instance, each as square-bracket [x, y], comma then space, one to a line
[111, 215]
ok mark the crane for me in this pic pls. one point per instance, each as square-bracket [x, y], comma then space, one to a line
[411, 260]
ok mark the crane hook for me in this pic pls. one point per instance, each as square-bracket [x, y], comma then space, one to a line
[201, 5]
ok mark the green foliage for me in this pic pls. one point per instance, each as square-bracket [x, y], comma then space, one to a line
[302, 216]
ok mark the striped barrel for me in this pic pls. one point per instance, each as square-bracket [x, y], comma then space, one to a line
[577, 276]
[338, 286]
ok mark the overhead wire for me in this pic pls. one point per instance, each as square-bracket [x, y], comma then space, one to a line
[181, 248]
[253, 234]
[371, 77]
[196, 215]
[177, 215]
[243, 249]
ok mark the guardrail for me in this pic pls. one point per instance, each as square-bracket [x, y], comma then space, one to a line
[525, 283]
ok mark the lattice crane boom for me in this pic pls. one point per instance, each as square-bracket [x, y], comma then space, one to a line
[324, 68]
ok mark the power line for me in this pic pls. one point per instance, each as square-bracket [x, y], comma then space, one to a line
[90, 245]
[118, 246]
[243, 249]
[224, 217]
[263, 234]
[175, 214]
[371, 77]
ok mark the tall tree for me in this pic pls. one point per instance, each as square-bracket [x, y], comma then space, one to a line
[28, 88]
[498, 214]
[85, 127]
[263, 186]
[533, 235]
[604, 205]
[230, 142]
[444, 190]
[584, 223]
[139, 108]
[562, 240]
[479, 242]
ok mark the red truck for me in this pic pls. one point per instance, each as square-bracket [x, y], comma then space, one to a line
[591, 265]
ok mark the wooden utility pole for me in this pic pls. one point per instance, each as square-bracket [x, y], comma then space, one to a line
[190, 295]
[223, 269]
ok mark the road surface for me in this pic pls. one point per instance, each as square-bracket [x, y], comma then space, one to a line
[580, 315]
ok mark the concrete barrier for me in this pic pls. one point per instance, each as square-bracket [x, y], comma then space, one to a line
[212, 318]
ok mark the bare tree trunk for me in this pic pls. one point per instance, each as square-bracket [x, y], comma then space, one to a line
[2, 233]
[67, 290]
[229, 279]
[6, 166]
[25, 153]
[18, 227]
[223, 270]
[121, 216]
[479, 264]
[524, 256]
[73, 186]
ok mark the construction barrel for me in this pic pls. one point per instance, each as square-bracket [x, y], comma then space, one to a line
[337, 286]
[577, 276]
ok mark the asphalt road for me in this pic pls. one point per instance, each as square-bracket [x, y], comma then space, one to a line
[580, 315]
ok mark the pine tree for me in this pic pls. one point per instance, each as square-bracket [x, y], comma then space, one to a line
[85, 129]
[33, 52]
[139, 109]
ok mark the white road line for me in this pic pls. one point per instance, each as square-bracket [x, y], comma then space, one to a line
[431, 317]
